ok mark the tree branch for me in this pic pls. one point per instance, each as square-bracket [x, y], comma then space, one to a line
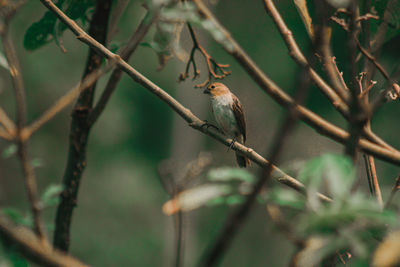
[64, 101]
[18, 84]
[79, 133]
[126, 53]
[300, 59]
[27, 243]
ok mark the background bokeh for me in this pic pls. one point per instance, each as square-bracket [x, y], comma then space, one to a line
[118, 220]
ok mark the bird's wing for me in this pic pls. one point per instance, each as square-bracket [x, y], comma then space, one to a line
[239, 115]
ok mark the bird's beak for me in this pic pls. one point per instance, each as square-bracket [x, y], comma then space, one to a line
[207, 91]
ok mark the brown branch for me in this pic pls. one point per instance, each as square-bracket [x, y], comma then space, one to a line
[373, 179]
[299, 58]
[126, 53]
[27, 243]
[358, 109]
[212, 65]
[182, 111]
[18, 84]
[79, 132]
[5, 135]
[373, 60]
[64, 101]
[319, 124]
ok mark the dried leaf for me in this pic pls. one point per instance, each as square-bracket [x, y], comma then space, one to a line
[301, 6]
[388, 252]
[194, 198]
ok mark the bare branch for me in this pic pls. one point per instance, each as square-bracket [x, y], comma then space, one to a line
[126, 53]
[64, 101]
[373, 179]
[29, 174]
[80, 129]
[299, 58]
[212, 65]
[26, 242]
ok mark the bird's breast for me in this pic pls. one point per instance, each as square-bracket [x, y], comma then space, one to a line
[225, 118]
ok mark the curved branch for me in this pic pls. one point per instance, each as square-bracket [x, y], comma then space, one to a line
[26, 242]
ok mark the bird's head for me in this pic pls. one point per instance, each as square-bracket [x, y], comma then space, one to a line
[216, 89]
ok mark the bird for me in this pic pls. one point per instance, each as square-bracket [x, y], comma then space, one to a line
[229, 115]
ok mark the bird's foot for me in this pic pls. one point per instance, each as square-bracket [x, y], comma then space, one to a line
[208, 125]
[231, 144]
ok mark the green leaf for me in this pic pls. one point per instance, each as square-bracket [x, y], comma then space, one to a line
[42, 31]
[226, 174]
[235, 199]
[48, 27]
[336, 171]
[51, 196]
[14, 215]
[287, 198]
[17, 217]
[9, 151]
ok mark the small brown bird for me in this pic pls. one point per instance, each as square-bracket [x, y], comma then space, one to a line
[228, 113]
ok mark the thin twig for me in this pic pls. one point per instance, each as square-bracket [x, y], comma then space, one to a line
[126, 53]
[212, 65]
[28, 244]
[29, 174]
[373, 60]
[395, 188]
[373, 179]
[312, 119]
[294, 51]
[65, 101]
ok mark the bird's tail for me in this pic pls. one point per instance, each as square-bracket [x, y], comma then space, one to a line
[242, 161]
